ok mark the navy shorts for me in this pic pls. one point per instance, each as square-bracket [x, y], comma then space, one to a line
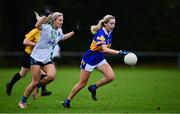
[34, 62]
[26, 60]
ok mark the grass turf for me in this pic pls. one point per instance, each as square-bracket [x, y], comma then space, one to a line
[135, 90]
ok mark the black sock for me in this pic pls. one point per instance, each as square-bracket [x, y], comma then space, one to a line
[15, 78]
[43, 87]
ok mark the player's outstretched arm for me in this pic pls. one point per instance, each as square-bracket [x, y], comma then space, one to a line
[113, 51]
[109, 50]
[68, 35]
[27, 42]
[47, 16]
[40, 22]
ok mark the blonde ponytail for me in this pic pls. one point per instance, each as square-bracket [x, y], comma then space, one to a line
[95, 28]
[37, 15]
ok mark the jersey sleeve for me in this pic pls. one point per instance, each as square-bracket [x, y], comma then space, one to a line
[44, 27]
[99, 39]
[30, 36]
[60, 34]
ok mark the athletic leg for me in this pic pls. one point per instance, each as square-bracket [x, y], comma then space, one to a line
[36, 72]
[15, 78]
[108, 75]
[84, 76]
[44, 91]
[107, 78]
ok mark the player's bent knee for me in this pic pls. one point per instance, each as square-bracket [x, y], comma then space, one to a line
[111, 77]
[81, 85]
[35, 83]
[51, 78]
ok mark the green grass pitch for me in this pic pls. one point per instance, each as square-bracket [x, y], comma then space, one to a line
[135, 90]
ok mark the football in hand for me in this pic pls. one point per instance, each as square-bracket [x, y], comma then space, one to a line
[130, 59]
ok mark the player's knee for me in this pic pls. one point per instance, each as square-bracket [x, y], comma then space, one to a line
[81, 85]
[35, 83]
[51, 78]
[111, 77]
[22, 74]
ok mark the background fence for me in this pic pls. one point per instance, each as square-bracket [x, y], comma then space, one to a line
[13, 59]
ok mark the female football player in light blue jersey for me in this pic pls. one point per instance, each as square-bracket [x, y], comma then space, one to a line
[42, 54]
[94, 58]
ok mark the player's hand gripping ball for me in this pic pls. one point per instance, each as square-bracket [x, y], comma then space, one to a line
[130, 59]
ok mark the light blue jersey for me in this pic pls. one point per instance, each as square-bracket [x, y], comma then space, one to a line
[49, 38]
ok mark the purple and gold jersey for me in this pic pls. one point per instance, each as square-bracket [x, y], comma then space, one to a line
[95, 55]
